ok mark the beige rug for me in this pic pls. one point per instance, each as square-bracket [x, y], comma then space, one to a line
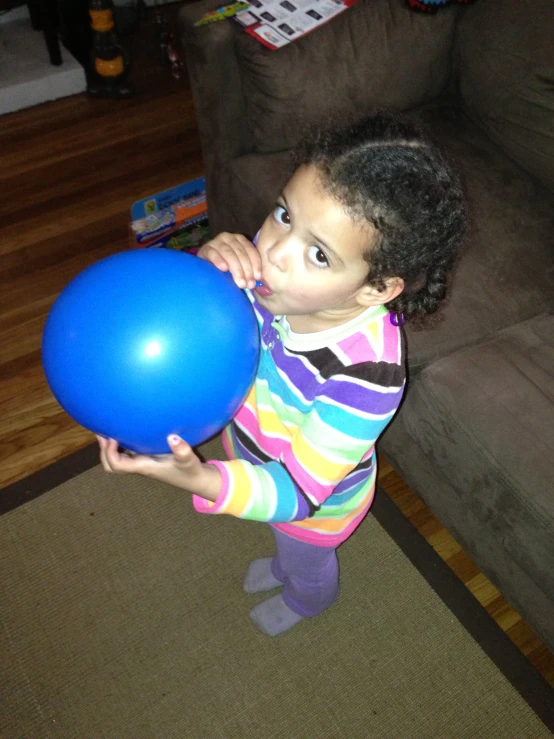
[124, 618]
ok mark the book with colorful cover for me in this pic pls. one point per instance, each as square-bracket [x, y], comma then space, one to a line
[176, 218]
[275, 23]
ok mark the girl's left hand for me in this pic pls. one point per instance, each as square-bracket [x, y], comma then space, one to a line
[182, 468]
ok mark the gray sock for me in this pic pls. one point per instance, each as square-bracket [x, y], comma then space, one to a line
[259, 577]
[273, 616]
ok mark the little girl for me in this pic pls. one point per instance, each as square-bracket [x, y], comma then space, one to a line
[361, 238]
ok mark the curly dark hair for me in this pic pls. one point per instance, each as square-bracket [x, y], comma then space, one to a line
[385, 170]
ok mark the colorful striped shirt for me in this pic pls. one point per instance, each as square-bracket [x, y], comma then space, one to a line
[302, 446]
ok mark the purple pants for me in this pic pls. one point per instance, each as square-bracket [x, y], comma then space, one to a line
[310, 574]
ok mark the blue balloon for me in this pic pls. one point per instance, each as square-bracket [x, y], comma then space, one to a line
[148, 343]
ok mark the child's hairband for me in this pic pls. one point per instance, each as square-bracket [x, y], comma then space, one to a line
[397, 319]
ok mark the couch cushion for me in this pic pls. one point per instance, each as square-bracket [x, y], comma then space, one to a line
[383, 55]
[484, 418]
[505, 64]
[257, 180]
[505, 273]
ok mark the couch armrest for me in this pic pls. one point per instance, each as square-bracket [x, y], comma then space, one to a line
[217, 94]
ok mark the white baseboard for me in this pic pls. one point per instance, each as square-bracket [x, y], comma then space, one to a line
[15, 14]
[26, 75]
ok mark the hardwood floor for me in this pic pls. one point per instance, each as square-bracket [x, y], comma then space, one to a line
[70, 171]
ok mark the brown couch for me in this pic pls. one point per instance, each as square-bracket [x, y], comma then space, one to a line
[475, 435]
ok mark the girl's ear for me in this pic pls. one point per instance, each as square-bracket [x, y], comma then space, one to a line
[370, 295]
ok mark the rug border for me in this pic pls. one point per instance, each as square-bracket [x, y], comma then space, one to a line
[23, 491]
[515, 667]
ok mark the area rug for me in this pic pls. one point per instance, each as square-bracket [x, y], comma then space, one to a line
[123, 618]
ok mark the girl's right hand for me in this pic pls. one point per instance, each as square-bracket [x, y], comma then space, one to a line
[234, 253]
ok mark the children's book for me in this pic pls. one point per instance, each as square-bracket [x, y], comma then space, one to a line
[176, 218]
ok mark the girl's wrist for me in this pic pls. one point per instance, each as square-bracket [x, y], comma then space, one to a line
[208, 484]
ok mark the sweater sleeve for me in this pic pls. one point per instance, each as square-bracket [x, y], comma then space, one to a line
[347, 416]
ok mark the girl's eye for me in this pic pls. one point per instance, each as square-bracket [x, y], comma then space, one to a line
[317, 257]
[281, 215]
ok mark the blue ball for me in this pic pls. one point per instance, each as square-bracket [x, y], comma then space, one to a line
[151, 342]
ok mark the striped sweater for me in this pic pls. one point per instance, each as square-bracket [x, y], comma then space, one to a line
[302, 446]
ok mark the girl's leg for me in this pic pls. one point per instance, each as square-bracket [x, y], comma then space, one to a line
[310, 574]
[311, 584]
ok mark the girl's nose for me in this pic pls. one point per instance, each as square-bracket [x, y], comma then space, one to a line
[279, 254]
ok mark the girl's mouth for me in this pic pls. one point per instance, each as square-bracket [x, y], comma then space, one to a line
[262, 289]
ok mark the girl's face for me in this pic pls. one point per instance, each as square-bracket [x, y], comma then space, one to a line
[313, 268]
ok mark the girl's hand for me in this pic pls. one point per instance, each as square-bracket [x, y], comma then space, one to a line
[182, 468]
[234, 253]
